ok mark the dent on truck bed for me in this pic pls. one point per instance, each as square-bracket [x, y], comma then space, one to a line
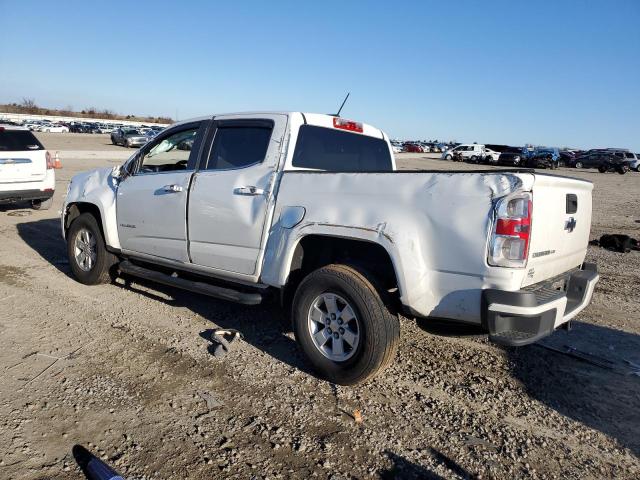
[433, 225]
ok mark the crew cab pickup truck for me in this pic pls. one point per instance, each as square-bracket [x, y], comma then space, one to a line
[309, 209]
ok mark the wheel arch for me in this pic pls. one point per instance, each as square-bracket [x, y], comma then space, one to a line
[74, 209]
[315, 250]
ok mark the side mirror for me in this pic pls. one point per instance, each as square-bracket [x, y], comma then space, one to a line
[116, 172]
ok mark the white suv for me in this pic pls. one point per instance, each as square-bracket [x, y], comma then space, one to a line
[26, 168]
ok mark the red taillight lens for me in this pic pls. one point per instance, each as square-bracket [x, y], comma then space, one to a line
[512, 231]
[50, 164]
[347, 125]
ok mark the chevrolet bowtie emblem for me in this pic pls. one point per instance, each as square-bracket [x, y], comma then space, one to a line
[570, 225]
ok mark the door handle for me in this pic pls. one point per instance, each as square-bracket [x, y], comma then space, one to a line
[172, 188]
[250, 190]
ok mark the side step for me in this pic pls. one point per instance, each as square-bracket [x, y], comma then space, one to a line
[203, 288]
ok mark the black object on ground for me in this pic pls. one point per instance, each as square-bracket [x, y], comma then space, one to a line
[617, 243]
[92, 467]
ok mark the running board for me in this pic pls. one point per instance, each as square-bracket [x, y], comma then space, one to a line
[202, 288]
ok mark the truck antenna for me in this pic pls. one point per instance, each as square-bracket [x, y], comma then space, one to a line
[343, 102]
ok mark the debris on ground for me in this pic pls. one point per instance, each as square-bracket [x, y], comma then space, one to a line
[616, 243]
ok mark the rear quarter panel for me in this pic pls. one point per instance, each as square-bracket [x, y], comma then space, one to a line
[434, 225]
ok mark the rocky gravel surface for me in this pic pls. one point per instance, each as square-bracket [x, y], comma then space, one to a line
[126, 370]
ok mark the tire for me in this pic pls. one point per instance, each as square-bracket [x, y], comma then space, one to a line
[489, 159]
[603, 169]
[448, 157]
[377, 330]
[516, 163]
[578, 165]
[113, 142]
[126, 144]
[622, 169]
[42, 204]
[473, 159]
[98, 271]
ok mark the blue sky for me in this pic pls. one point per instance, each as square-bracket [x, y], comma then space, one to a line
[564, 73]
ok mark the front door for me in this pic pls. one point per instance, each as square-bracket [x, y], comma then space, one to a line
[152, 201]
[231, 192]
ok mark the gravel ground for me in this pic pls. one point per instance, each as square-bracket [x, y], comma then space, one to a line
[127, 372]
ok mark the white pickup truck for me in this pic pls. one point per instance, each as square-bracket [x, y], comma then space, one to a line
[311, 207]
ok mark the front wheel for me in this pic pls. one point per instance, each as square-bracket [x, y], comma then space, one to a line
[448, 157]
[88, 256]
[603, 168]
[578, 165]
[343, 326]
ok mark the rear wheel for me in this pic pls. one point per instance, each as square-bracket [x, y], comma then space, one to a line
[88, 256]
[473, 159]
[343, 325]
[603, 168]
[42, 204]
[448, 157]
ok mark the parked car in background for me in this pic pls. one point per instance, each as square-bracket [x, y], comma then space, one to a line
[543, 157]
[490, 156]
[413, 148]
[512, 156]
[128, 137]
[603, 160]
[471, 152]
[396, 146]
[635, 164]
[448, 153]
[26, 168]
[53, 128]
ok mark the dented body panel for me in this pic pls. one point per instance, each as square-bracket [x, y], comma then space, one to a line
[96, 187]
[435, 227]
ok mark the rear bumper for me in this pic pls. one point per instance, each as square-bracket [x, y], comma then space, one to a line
[526, 316]
[24, 195]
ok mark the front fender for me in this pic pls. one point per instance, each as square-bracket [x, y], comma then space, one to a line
[98, 188]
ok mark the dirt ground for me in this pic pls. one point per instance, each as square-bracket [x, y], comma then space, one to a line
[127, 372]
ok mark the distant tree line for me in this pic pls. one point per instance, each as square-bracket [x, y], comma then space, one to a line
[29, 106]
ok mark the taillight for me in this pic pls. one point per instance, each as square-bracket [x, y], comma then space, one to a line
[347, 125]
[50, 164]
[509, 245]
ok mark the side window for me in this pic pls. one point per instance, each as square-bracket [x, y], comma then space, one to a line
[170, 152]
[238, 146]
[629, 155]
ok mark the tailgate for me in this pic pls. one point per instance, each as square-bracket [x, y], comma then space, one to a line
[561, 224]
[23, 166]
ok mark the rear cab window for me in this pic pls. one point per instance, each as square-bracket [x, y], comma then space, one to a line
[18, 141]
[327, 149]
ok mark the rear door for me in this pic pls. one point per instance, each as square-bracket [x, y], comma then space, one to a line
[22, 157]
[151, 203]
[560, 226]
[231, 193]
